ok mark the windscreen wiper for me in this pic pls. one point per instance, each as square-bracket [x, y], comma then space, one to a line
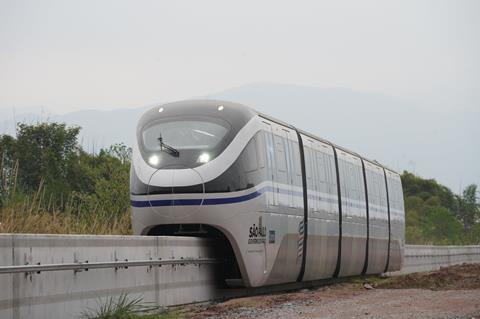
[167, 148]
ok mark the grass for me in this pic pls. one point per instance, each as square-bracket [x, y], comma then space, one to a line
[94, 200]
[82, 214]
[18, 219]
[122, 307]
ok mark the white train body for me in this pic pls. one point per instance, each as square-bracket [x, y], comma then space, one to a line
[269, 193]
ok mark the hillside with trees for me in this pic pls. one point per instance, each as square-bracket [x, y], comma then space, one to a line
[49, 184]
[434, 215]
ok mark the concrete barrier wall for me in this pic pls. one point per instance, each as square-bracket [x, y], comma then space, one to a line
[66, 294]
[426, 258]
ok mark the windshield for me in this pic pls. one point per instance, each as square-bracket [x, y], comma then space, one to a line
[184, 135]
[176, 143]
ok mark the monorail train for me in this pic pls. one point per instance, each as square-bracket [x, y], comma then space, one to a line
[282, 204]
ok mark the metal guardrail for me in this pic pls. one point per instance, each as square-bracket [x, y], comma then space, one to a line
[79, 266]
[125, 264]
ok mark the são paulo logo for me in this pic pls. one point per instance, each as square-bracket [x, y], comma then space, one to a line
[257, 234]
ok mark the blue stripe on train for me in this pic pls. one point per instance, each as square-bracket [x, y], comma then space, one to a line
[230, 200]
[206, 201]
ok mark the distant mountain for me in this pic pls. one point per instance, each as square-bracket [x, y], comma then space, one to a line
[99, 128]
[399, 133]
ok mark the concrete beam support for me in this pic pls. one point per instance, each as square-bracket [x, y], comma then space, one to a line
[66, 293]
[427, 258]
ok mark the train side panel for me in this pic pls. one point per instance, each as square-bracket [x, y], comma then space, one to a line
[354, 215]
[397, 221]
[378, 219]
[323, 229]
[284, 203]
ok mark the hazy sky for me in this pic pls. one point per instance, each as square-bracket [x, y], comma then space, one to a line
[71, 55]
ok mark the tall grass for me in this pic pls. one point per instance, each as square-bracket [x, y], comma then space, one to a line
[79, 213]
[20, 218]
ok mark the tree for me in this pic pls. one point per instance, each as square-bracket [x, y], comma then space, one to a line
[121, 151]
[7, 166]
[45, 153]
[468, 209]
[435, 215]
[426, 188]
[441, 226]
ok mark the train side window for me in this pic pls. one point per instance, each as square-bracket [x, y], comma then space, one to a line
[343, 180]
[376, 192]
[236, 178]
[322, 170]
[261, 149]
[312, 169]
[296, 161]
[280, 154]
[358, 185]
[361, 191]
[361, 184]
[372, 194]
[270, 163]
[332, 175]
[383, 195]
[351, 181]
[316, 177]
[251, 158]
[391, 194]
[346, 179]
[286, 147]
[270, 153]
[352, 184]
[345, 186]
[310, 172]
[308, 166]
[380, 190]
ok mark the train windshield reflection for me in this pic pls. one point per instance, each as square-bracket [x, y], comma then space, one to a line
[183, 135]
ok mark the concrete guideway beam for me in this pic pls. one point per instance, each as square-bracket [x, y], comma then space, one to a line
[66, 294]
[163, 270]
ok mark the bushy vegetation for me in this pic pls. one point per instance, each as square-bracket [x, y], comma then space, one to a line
[434, 215]
[49, 184]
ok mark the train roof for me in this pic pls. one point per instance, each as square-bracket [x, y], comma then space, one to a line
[374, 162]
[247, 111]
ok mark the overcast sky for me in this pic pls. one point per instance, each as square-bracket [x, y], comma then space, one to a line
[72, 55]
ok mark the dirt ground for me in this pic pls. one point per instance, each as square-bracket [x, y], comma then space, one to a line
[452, 292]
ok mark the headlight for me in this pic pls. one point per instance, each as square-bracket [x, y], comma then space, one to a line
[154, 160]
[203, 158]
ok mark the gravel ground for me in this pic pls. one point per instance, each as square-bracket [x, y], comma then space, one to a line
[441, 294]
[346, 302]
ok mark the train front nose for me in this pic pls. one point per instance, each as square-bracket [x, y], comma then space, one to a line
[182, 195]
[175, 145]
